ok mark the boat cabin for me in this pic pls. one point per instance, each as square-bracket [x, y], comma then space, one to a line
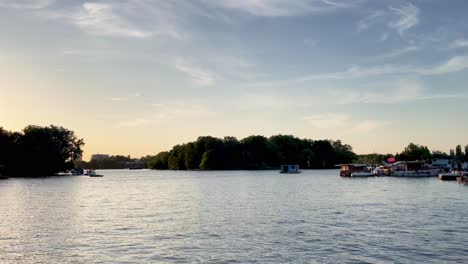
[347, 169]
[289, 169]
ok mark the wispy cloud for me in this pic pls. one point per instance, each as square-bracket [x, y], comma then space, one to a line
[198, 76]
[311, 41]
[28, 4]
[327, 120]
[393, 92]
[460, 43]
[124, 98]
[401, 19]
[279, 8]
[101, 19]
[342, 121]
[384, 36]
[407, 17]
[398, 52]
[455, 64]
[366, 126]
[370, 20]
[166, 112]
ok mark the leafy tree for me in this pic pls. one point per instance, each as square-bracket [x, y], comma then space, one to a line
[255, 152]
[440, 155]
[176, 159]
[414, 152]
[466, 153]
[159, 162]
[39, 151]
[325, 155]
[458, 152]
[372, 159]
[191, 161]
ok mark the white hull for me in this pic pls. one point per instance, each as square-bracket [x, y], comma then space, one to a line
[416, 174]
[362, 174]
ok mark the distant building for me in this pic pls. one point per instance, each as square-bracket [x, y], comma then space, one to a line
[135, 165]
[440, 162]
[443, 164]
[99, 156]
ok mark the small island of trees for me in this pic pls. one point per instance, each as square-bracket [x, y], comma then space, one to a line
[253, 153]
[45, 151]
[38, 151]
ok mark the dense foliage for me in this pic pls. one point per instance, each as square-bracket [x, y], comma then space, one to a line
[253, 152]
[113, 162]
[416, 152]
[372, 159]
[38, 151]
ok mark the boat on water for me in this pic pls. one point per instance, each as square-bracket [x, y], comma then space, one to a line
[77, 171]
[413, 169]
[92, 173]
[355, 170]
[362, 174]
[290, 169]
[2, 177]
[450, 176]
[463, 179]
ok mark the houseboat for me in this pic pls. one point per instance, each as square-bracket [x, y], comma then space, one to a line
[355, 170]
[2, 177]
[292, 169]
[92, 173]
[449, 176]
[414, 169]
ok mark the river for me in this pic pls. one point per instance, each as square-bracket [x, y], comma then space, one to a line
[141, 216]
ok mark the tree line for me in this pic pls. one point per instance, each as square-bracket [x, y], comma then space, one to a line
[38, 151]
[253, 152]
[43, 151]
[114, 162]
[417, 152]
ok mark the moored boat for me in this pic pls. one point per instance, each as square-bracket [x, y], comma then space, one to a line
[463, 179]
[2, 176]
[413, 169]
[449, 176]
[359, 170]
[290, 169]
[92, 173]
[362, 174]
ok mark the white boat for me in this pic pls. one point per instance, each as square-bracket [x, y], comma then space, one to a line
[346, 170]
[362, 174]
[451, 176]
[413, 169]
[92, 173]
[290, 169]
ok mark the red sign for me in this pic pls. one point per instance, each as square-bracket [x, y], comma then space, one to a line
[391, 160]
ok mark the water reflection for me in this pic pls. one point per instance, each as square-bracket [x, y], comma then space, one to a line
[215, 217]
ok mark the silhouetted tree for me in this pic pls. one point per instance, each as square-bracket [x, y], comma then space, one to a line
[414, 152]
[39, 151]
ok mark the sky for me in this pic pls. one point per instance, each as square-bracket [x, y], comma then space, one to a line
[136, 77]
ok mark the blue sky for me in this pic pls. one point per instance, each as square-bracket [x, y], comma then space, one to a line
[139, 76]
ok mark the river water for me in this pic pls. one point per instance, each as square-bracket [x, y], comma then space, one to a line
[232, 217]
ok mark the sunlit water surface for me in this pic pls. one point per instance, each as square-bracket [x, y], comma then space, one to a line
[232, 217]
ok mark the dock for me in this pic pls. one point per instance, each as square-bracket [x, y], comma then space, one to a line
[449, 176]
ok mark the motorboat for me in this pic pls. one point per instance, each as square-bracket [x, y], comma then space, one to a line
[450, 176]
[413, 169]
[362, 174]
[92, 173]
[2, 177]
[359, 170]
[290, 169]
[463, 179]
